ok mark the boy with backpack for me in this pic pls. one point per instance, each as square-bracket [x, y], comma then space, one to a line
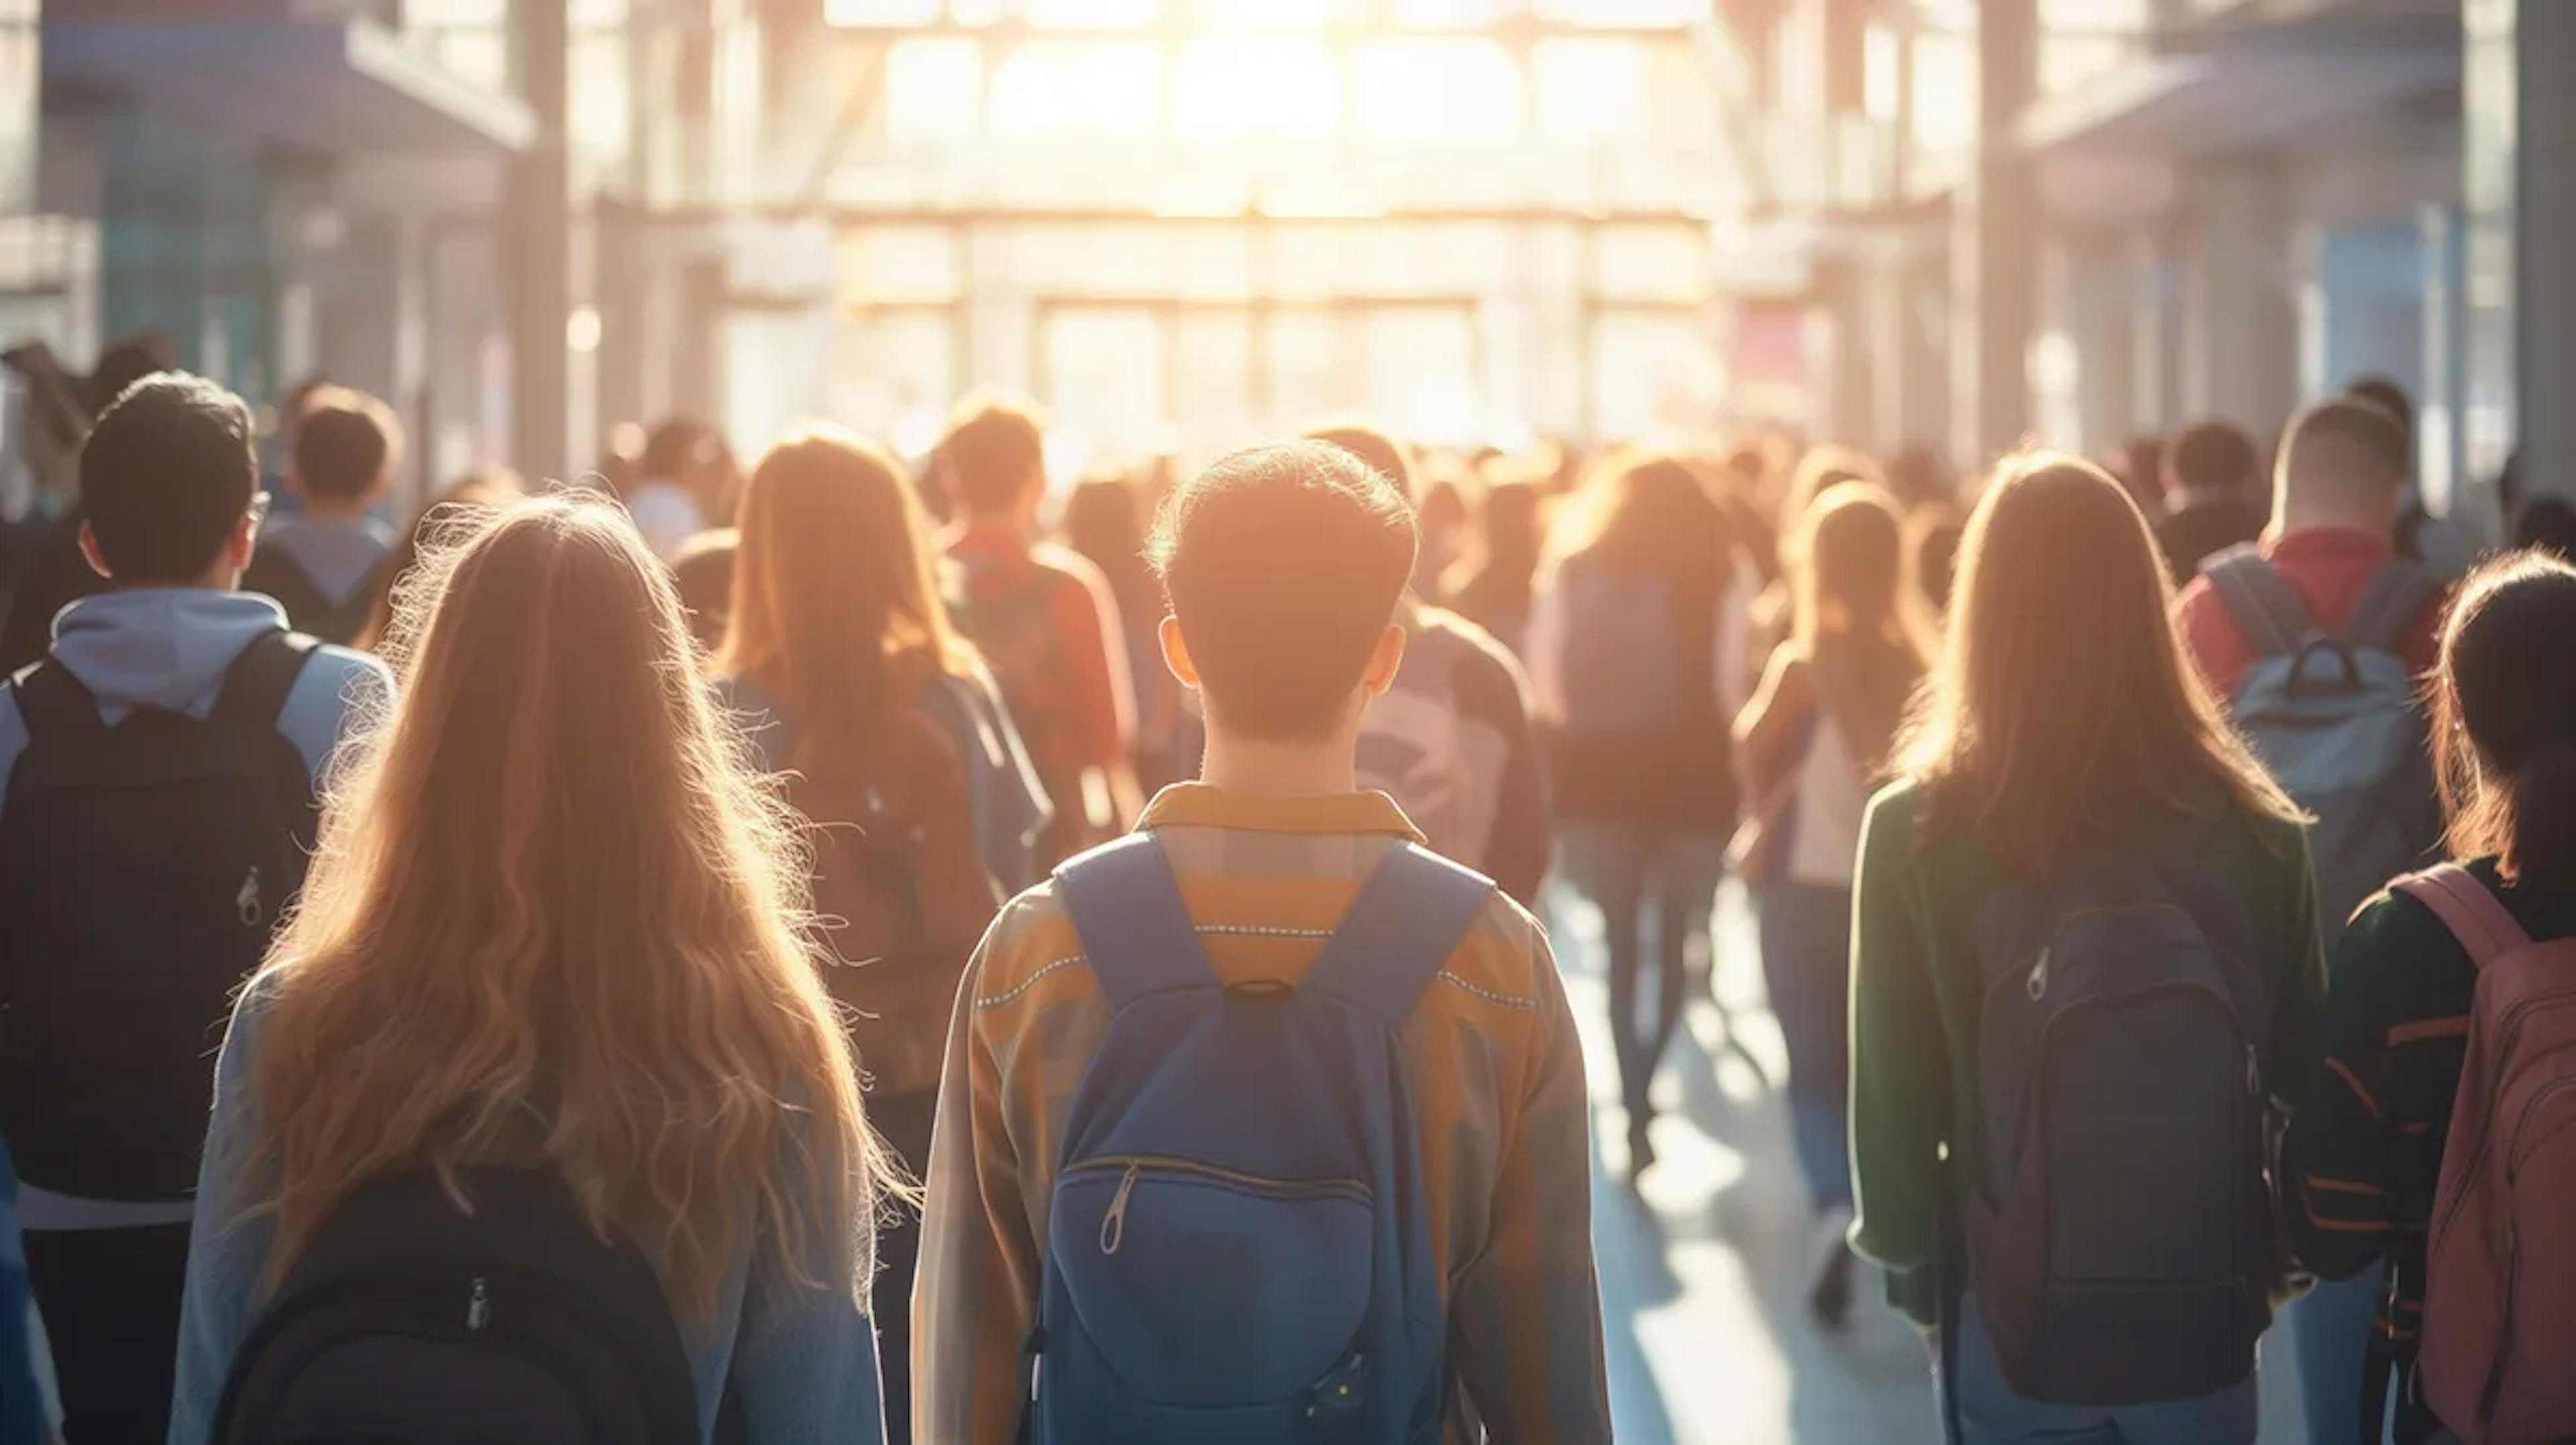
[320, 563]
[1452, 741]
[1265, 1115]
[162, 766]
[2318, 638]
[1044, 620]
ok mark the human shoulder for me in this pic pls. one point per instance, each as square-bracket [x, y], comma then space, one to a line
[2396, 936]
[1030, 952]
[1503, 961]
[337, 695]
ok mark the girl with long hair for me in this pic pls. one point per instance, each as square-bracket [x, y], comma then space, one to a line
[2364, 1155]
[557, 923]
[2073, 818]
[1624, 651]
[1813, 744]
[895, 744]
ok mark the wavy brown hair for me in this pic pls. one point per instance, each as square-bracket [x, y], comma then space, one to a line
[2504, 705]
[2065, 717]
[1857, 622]
[836, 610]
[555, 918]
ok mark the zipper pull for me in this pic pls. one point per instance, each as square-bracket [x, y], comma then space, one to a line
[247, 903]
[1113, 1225]
[478, 1308]
[2037, 984]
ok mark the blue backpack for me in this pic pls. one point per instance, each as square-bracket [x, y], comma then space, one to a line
[1238, 1245]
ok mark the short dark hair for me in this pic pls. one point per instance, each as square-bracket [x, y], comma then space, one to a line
[2358, 421]
[1284, 565]
[166, 477]
[671, 447]
[345, 443]
[1373, 445]
[2213, 456]
[994, 450]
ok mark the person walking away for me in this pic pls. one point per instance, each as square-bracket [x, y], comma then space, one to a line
[2318, 639]
[1498, 592]
[2392, 1156]
[1627, 651]
[519, 1135]
[1813, 744]
[1267, 1058]
[319, 562]
[162, 765]
[682, 477]
[2210, 505]
[2085, 977]
[895, 746]
[1452, 742]
[2419, 536]
[1044, 620]
[457, 506]
[1104, 520]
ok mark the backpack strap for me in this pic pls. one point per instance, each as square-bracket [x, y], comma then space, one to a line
[54, 704]
[257, 684]
[2475, 916]
[1134, 928]
[2266, 608]
[1399, 932]
[2396, 596]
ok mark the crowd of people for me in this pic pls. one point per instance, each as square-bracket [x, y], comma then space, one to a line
[801, 954]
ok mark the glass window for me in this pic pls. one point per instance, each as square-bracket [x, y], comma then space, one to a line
[1591, 90]
[934, 88]
[1623, 12]
[1235, 86]
[1422, 370]
[1438, 90]
[1103, 385]
[892, 372]
[1091, 14]
[1093, 86]
[881, 12]
[1271, 14]
[1454, 14]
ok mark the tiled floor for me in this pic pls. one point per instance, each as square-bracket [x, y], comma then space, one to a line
[1704, 1273]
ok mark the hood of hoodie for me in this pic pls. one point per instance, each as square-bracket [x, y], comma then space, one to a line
[165, 648]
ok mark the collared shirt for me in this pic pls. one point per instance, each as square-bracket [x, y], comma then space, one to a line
[2331, 568]
[1492, 1058]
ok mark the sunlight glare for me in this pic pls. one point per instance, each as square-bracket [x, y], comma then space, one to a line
[1229, 87]
[1091, 14]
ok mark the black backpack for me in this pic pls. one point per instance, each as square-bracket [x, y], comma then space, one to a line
[511, 1323]
[274, 574]
[143, 868]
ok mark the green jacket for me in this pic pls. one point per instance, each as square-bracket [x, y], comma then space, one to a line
[1916, 999]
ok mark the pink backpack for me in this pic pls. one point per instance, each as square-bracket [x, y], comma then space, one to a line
[2500, 1295]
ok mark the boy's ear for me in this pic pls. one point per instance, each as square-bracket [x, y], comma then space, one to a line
[1176, 653]
[1385, 662]
[89, 552]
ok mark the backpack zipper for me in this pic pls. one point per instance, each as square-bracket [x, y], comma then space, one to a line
[2037, 984]
[478, 1306]
[247, 903]
[1113, 1225]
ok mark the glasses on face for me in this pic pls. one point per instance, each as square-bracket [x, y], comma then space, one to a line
[258, 512]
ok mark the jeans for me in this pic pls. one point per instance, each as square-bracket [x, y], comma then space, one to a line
[1641, 878]
[904, 1120]
[1806, 963]
[1991, 1414]
[2330, 1329]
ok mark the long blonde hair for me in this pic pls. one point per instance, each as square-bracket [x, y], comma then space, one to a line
[556, 919]
[836, 614]
[1857, 623]
[2064, 714]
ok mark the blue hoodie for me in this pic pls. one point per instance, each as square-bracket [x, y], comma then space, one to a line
[168, 648]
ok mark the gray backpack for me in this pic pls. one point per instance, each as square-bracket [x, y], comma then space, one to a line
[2339, 720]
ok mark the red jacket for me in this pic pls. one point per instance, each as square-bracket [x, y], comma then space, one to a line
[2331, 568]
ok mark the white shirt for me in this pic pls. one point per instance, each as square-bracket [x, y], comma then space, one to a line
[667, 515]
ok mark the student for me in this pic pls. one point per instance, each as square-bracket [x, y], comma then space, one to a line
[162, 765]
[1044, 620]
[2419, 536]
[1497, 594]
[896, 746]
[1626, 649]
[2367, 1151]
[2209, 503]
[2317, 640]
[625, 1044]
[703, 571]
[1104, 520]
[1814, 744]
[1932, 534]
[319, 562]
[1452, 741]
[458, 506]
[682, 476]
[2084, 966]
[1285, 565]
